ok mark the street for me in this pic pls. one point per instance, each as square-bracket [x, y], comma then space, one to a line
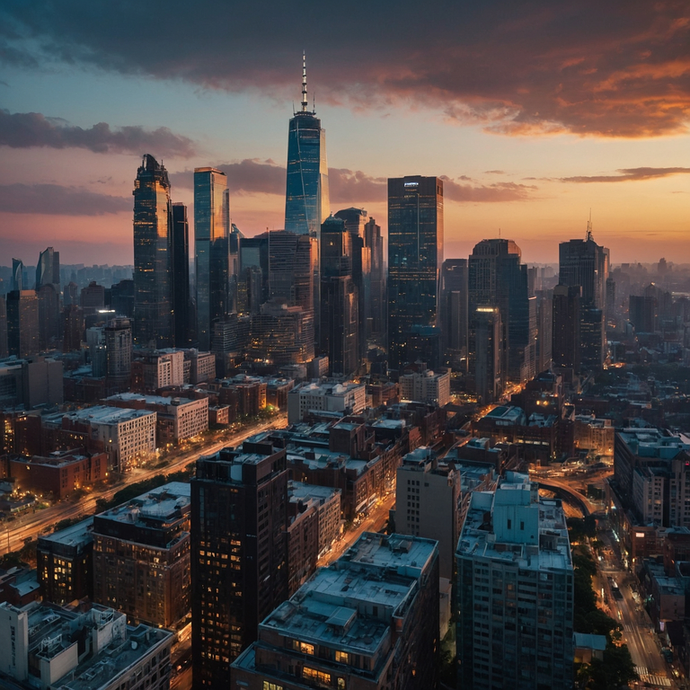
[30, 525]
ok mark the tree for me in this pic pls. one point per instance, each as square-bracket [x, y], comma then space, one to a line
[615, 671]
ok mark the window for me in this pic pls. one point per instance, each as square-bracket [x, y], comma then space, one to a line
[320, 677]
[509, 523]
[271, 686]
[342, 657]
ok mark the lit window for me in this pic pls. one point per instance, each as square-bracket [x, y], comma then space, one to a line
[342, 657]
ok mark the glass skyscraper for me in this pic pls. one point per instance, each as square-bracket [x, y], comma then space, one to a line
[180, 267]
[212, 250]
[306, 202]
[415, 255]
[153, 315]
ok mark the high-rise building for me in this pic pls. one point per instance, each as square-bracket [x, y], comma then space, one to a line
[415, 255]
[211, 250]
[253, 273]
[339, 318]
[239, 553]
[643, 313]
[454, 315]
[180, 268]
[375, 307]
[543, 355]
[487, 360]
[17, 274]
[566, 327]
[72, 328]
[306, 201]
[122, 298]
[48, 316]
[153, 315]
[497, 278]
[48, 269]
[585, 263]
[4, 352]
[514, 591]
[118, 353]
[22, 323]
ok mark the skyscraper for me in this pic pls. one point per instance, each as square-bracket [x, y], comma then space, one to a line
[239, 553]
[48, 269]
[17, 274]
[153, 315]
[118, 352]
[306, 201]
[566, 327]
[211, 250]
[3, 327]
[454, 320]
[415, 255]
[339, 319]
[180, 267]
[22, 323]
[375, 306]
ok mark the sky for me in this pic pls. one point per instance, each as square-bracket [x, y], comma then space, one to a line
[535, 113]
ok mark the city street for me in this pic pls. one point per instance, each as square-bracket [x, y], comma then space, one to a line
[29, 526]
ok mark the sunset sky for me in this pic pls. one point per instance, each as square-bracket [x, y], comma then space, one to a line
[534, 112]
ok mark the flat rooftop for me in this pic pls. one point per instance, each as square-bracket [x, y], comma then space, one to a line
[162, 503]
[149, 399]
[102, 414]
[80, 533]
[299, 491]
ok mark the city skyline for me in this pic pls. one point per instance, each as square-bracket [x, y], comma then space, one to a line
[532, 116]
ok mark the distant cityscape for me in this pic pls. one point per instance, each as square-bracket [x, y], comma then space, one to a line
[311, 462]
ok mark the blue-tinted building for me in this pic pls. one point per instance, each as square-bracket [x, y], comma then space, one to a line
[306, 202]
[212, 250]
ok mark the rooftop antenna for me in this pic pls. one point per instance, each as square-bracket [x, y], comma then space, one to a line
[305, 102]
[499, 233]
[589, 227]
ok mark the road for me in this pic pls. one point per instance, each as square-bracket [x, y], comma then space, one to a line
[638, 632]
[374, 522]
[31, 524]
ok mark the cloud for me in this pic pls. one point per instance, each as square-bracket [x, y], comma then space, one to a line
[354, 186]
[494, 172]
[26, 130]
[615, 69]
[628, 175]
[502, 191]
[53, 199]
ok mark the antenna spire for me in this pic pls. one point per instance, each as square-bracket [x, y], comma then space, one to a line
[589, 227]
[305, 102]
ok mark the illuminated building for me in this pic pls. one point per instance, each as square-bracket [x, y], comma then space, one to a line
[22, 323]
[239, 553]
[415, 254]
[211, 250]
[153, 315]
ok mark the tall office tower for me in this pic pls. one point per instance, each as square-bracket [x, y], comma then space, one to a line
[118, 354]
[415, 255]
[48, 316]
[515, 591]
[306, 200]
[454, 316]
[585, 263]
[375, 313]
[239, 553]
[339, 318]
[153, 315]
[180, 268]
[22, 323]
[122, 298]
[17, 274]
[253, 273]
[48, 269]
[610, 311]
[356, 222]
[291, 261]
[498, 279]
[643, 313]
[72, 328]
[211, 250]
[70, 294]
[4, 352]
[543, 355]
[235, 238]
[487, 358]
[566, 327]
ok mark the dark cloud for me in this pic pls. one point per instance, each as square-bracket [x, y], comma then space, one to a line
[501, 191]
[25, 130]
[628, 175]
[614, 69]
[53, 199]
[250, 176]
[354, 186]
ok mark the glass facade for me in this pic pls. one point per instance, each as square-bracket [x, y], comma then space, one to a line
[180, 266]
[212, 250]
[153, 316]
[415, 255]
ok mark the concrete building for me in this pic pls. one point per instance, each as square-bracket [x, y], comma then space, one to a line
[514, 591]
[22, 323]
[141, 562]
[31, 382]
[367, 622]
[90, 647]
[125, 435]
[202, 366]
[327, 502]
[65, 563]
[426, 503]
[426, 386]
[330, 397]
[157, 370]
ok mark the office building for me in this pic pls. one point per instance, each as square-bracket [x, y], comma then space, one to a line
[48, 269]
[415, 255]
[514, 591]
[141, 557]
[253, 273]
[454, 312]
[239, 553]
[367, 622]
[72, 328]
[180, 269]
[306, 199]
[158, 369]
[292, 260]
[643, 313]
[122, 298]
[544, 343]
[31, 382]
[566, 327]
[426, 386]
[118, 354]
[153, 314]
[89, 647]
[64, 562]
[4, 352]
[18, 275]
[211, 250]
[22, 323]
[375, 308]
[48, 317]
[486, 354]
[344, 397]
[339, 313]
[426, 503]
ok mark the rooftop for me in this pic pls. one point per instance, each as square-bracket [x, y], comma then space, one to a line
[102, 414]
[72, 535]
[299, 491]
[148, 399]
[163, 503]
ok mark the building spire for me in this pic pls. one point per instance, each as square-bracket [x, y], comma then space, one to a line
[305, 102]
[589, 227]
